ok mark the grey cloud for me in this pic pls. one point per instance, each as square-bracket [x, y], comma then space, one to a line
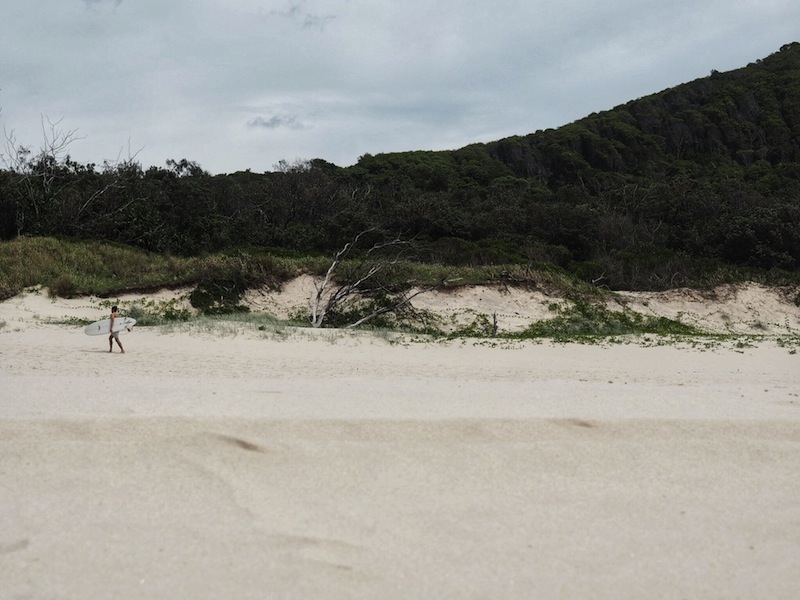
[297, 12]
[292, 12]
[276, 122]
[316, 21]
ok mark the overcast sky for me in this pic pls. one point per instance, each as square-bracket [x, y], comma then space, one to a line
[242, 84]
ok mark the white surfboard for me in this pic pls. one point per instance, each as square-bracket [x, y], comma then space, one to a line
[121, 324]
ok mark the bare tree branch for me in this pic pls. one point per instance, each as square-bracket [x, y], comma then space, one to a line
[361, 283]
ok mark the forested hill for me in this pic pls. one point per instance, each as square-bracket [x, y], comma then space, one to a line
[736, 118]
[732, 119]
[651, 194]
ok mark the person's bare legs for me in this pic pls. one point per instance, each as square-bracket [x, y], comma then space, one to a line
[111, 339]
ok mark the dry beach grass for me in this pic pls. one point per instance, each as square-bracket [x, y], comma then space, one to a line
[243, 463]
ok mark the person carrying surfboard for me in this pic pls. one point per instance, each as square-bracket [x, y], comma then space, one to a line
[114, 335]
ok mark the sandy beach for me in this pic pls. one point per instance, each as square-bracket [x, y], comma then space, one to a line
[238, 463]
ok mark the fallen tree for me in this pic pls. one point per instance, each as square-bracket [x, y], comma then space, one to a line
[355, 291]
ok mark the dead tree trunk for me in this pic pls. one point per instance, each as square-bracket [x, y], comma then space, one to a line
[332, 293]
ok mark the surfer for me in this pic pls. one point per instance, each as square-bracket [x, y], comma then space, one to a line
[114, 335]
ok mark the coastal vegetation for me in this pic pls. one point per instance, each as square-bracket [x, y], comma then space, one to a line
[69, 268]
[694, 186]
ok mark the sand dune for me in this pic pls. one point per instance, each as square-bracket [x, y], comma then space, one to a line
[239, 463]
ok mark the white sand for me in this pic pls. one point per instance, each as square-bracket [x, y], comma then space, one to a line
[331, 465]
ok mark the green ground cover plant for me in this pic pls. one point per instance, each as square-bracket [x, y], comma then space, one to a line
[585, 319]
[582, 320]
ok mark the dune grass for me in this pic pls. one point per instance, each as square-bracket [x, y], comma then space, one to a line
[70, 268]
